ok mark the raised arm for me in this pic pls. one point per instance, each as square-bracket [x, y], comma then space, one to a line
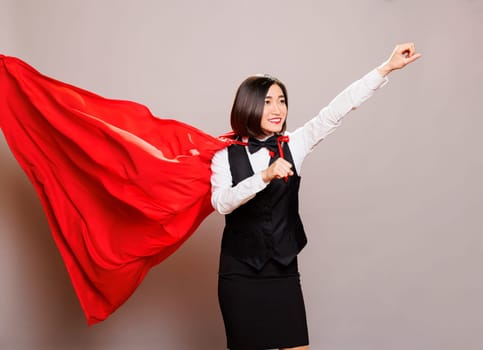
[226, 198]
[304, 139]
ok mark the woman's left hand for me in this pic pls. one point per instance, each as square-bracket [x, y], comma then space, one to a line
[402, 55]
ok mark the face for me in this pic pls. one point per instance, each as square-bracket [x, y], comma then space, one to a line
[274, 111]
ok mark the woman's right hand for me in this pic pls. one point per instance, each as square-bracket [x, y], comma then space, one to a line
[402, 55]
[277, 170]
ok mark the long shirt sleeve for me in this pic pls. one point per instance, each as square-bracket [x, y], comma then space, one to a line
[225, 197]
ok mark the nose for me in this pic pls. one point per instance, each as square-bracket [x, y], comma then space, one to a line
[276, 108]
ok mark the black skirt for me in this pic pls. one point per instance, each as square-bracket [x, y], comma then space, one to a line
[261, 309]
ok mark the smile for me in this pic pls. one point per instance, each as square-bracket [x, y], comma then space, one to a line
[275, 120]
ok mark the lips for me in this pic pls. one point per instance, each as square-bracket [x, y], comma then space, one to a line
[275, 120]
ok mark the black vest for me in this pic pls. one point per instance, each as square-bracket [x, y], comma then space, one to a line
[268, 226]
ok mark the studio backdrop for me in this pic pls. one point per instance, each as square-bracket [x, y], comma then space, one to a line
[391, 202]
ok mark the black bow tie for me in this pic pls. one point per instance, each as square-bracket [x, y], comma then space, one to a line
[271, 144]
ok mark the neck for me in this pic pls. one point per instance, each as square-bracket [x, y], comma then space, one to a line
[263, 137]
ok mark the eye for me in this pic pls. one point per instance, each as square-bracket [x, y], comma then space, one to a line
[267, 102]
[282, 101]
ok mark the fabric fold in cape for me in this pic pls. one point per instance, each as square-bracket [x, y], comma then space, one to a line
[121, 189]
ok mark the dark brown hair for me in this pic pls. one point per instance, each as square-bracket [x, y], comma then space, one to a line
[247, 110]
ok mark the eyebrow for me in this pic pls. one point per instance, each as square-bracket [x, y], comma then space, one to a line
[279, 96]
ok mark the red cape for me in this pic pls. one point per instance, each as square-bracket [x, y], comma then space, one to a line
[121, 189]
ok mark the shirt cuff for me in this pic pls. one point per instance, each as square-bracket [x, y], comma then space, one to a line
[259, 183]
[374, 80]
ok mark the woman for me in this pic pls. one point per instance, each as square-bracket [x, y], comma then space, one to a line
[255, 184]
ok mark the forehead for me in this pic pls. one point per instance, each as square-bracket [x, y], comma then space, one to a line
[274, 91]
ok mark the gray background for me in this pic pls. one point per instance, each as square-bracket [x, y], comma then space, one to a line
[392, 202]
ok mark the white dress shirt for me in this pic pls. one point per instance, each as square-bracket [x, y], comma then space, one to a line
[226, 198]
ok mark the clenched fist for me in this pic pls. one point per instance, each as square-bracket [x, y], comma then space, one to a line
[277, 170]
[402, 55]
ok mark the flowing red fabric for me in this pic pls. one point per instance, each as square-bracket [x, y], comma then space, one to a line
[121, 189]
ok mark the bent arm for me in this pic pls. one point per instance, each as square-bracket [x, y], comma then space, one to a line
[224, 197]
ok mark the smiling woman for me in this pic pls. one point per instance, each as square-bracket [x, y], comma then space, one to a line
[255, 183]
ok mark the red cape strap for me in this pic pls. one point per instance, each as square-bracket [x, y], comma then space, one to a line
[121, 189]
[281, 139]
[229, 137]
